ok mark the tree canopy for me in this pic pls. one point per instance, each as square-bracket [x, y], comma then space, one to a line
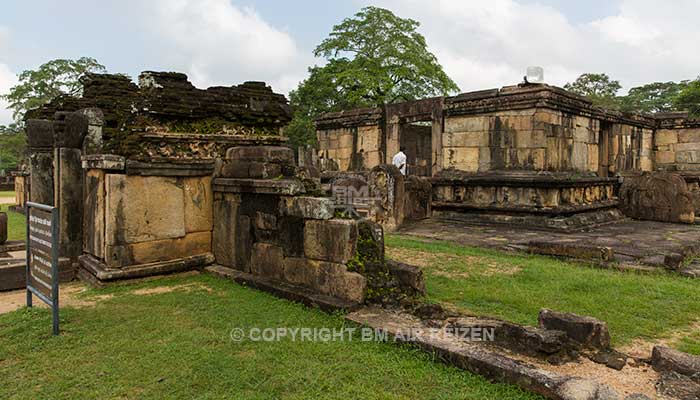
[598, 88]
[372, 58]
[52, 79]
[689, 98]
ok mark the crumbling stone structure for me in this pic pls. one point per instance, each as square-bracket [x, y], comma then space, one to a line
[532, 154]
[164, 177]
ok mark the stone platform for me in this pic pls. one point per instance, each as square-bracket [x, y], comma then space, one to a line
[631, 243]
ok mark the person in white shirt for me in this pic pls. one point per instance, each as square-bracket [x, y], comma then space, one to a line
[400, 160]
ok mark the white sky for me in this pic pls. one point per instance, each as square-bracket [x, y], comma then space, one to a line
[481, 44]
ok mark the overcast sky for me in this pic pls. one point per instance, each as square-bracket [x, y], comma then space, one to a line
[481, 43]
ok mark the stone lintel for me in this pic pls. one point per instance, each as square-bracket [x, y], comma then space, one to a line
[103, 161]
[172, 167]
[288, 187]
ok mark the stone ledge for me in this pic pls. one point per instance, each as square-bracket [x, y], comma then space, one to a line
[13, 273]
[288, 187]
[524, 180]
[571, 223]
[572, 250]
[560, 210]
[96, 272]
[12, 245]
[170, 168]
[291, 292]
[103, 161]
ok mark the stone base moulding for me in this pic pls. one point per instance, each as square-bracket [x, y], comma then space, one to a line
[97, 273]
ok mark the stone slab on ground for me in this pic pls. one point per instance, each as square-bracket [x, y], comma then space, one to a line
[96, 273]
[295, 293]
[632, 242]
[479, 358]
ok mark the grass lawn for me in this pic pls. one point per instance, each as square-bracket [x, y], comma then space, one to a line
[516, 287]
[16, 225]
[177, 345]
[9, 194]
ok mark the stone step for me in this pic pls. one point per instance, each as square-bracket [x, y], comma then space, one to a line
[480, 358]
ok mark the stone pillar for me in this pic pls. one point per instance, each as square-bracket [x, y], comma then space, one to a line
[386, 185]
[40, 145]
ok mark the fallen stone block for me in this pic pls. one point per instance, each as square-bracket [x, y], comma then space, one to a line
[664, 359]
[586, 331]
[410, 277]
[271, 154]
[572, 250]
[657, 196]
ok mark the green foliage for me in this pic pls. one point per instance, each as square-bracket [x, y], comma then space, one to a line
[12, 145]
[50, 80]
[301, 131]
[372, 58]
[176, 344]
[689, 98]
[16, 224]
[653, 97]
[598, 88]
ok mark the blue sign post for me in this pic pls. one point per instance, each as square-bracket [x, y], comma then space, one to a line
[42, 256]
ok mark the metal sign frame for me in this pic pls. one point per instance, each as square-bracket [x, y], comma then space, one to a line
[31, 290]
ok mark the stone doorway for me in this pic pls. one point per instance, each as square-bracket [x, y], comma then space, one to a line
[416, 138]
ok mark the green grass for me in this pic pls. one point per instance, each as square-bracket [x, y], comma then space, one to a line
[16, 225]
[515, 287]
[7, 194]
[177, 345]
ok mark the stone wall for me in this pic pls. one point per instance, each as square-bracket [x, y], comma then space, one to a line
[677, 145]
[355, 148]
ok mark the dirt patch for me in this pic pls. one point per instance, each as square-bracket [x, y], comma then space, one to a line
[69, 297]
[7, 200]
[641, 348]
[450, 265]
[168, 289]
[631, 379]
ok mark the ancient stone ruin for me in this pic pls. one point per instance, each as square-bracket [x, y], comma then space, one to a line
[531, 154]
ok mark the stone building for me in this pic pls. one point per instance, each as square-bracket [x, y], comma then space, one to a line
[513, 153]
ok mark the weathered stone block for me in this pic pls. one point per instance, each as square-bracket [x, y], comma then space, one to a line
[665, 157]
[466, 124]
[191, 244]
[39, 133]
[689, 136]
[334, 280]
[587, 331]
[198, 203]
[270, 154]
[300, 271]
[466, 139]
[267, 260]
[664, 359]
[330, 240]
[232, 238]
[689, 157]
[665, 137]
[265, 221]
[3, 227]
[290, 234]
[410, 277]
[657, 196]
[462, 158]
[307, 207]
[94, 213]
[143, 209]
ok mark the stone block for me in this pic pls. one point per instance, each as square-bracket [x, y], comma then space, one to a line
[273, 154]
[466, 139]
[39, 133]
[300, 271]
[689, 136]
[94, 213]
[232, 240]
[70, 201]
[41, 183]
[191, 244]
[657, 196]
[579, 156]
[334, 280]
[587, 331]
[3, 227]
[688, 157]
[75, 128]
[143, 209]
[198, 203]
[307, 207]
[466, 124]
[410, 277]
[331, 240]
[665, 137]
[267, 260]
[664, 359]
[250, 169]
[462, 158]
[265, 221]
[665, 157]
[691, 146]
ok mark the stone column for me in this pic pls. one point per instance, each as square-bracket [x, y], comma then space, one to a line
[40, 145]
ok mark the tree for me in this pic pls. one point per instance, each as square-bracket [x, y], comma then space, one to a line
[653, 97]
[50, 80]
[598, 88]
[12, 145]
[373, 58]
[689, 99]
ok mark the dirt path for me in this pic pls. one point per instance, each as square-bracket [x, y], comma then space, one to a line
[7, 200]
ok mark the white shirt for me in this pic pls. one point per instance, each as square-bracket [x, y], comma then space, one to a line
[400, 162]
